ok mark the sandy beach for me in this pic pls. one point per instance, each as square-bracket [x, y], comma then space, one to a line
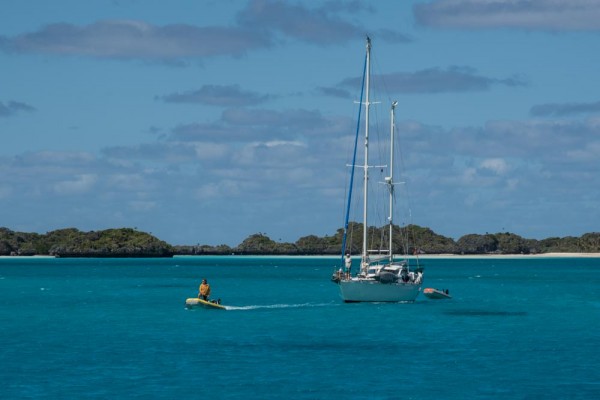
[508, 256]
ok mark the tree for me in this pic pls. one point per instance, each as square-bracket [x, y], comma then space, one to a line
[424, 240]
[311, 244]
[509, 243]
[590, 242]
[477, 244]
[256, 244]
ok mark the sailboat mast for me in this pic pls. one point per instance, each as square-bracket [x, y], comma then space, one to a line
[390, 179]
[365, 257]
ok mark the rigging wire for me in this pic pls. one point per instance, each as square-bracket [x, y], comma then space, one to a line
[353, 163]
[398, 150]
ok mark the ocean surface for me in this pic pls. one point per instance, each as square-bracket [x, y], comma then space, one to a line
[118, 328]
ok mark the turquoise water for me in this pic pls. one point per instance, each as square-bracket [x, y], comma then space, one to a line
[118, 328]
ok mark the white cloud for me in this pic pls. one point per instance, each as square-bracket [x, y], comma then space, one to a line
[588, 153]
[131, 181]
[12, 107]
[221, 189]
[550, 15]
[258, 26]
[273, 154]
[437, 80]
[130, 39]
[496, 165]
[278, 143]
[311, 25]
[563, 109]
[512, 183]
[469, 175]
[211, 151]
[81, 184]
[217, 95]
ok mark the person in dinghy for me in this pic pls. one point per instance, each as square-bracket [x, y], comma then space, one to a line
[204, 292]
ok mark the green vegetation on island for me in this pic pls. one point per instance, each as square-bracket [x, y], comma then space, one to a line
[126, 242]
[421, 240]
[71, 242]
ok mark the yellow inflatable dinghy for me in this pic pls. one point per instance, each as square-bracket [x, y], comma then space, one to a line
[195, 302]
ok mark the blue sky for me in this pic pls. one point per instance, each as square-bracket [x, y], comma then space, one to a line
[207, 121]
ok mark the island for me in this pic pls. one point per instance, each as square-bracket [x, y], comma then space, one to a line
[129, 242]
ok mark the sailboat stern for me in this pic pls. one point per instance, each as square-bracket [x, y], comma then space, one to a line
[366, 290]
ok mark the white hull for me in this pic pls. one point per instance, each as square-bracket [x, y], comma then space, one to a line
[367, 290]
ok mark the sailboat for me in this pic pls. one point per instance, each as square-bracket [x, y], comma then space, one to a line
[381, 278]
